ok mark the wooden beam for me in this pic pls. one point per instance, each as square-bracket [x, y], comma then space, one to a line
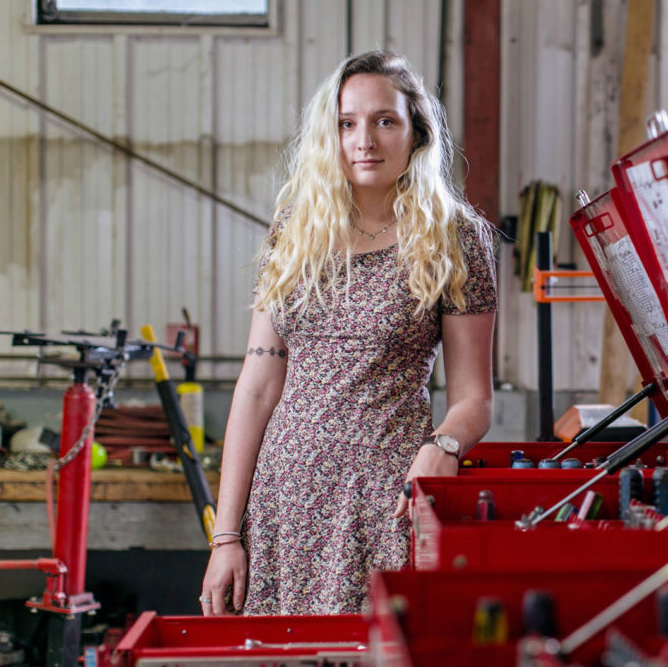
[482, 54]
[107, 485]
[632, 112]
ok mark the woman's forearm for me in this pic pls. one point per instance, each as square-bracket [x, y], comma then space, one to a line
[248, 418]
[468, 421]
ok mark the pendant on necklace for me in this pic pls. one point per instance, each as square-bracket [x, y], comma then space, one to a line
[370, 236]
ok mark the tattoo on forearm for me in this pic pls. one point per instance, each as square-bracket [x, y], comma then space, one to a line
[272, 351]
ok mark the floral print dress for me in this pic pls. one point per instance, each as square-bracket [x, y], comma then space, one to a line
[354, 411]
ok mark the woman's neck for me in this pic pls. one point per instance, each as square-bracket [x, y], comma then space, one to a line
[373, 211]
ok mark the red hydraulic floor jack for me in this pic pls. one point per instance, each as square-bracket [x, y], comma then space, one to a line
[64, 597]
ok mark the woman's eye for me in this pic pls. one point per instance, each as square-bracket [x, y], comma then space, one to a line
[345, 124]
[385, 122]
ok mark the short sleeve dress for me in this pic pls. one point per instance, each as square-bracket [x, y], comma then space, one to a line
[354, 411]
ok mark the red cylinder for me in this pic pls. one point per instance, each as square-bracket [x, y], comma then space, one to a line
[74, 487]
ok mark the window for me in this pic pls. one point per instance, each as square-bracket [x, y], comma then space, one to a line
[182, 13]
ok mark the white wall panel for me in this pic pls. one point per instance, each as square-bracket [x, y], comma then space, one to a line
[323, 42]
[415, 30]
[369, 27]
[19, 181]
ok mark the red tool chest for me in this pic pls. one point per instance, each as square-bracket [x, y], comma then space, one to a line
[427, 619]
[268, 641]
[428, 615]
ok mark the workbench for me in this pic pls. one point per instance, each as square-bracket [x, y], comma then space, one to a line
[130, 508]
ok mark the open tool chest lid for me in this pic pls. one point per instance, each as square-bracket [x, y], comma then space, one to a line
[642, 183]
[623, 269]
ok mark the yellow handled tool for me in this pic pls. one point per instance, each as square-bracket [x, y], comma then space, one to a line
[178, 427]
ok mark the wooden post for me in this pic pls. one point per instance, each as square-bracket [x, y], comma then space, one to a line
[482, 55]
[632, 112]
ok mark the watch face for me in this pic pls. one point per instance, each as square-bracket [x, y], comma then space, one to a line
[447, 443]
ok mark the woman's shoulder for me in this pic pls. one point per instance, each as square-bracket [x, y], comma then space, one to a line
[475, 233]
[280, 220]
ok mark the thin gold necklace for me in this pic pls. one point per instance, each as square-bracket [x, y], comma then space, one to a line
[361, 232]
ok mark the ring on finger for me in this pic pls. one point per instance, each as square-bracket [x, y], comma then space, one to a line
[204, 600]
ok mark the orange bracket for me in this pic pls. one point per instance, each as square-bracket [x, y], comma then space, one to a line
[542, 286]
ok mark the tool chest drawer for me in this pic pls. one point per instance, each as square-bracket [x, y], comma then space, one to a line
[499, 454]
[517, 492]
[430, 619]
[448, 536]
[168, 641]
[549, 547]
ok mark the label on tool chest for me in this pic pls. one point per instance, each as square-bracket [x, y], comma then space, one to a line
[649, 181]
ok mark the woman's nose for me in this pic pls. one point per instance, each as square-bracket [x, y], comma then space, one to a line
[365, 141]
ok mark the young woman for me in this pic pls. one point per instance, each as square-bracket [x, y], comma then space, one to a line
[373, 262]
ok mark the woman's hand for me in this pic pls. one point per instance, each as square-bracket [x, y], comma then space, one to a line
[227, 567]
[431, 461]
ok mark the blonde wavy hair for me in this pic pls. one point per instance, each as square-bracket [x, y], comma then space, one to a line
[312, 239]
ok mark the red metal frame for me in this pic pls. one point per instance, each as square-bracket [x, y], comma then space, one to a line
[54, 596]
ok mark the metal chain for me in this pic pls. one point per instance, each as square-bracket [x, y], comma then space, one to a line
[107, 390]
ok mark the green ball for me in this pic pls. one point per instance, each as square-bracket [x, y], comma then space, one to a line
[98, 456]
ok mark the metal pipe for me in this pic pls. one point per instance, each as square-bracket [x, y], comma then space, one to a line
[74, 485]
[544, 322]
[635, 447]
[47, 565]
[129, 152]
[611, 613]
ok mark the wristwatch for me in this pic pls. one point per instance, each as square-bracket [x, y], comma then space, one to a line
[448, 444]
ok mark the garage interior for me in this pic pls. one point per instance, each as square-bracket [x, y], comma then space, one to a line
[140, 158]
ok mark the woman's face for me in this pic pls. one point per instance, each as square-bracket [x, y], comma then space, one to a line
[376, 133]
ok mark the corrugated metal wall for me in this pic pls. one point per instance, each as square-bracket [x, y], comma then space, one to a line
[87, 234]
[91, 235]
